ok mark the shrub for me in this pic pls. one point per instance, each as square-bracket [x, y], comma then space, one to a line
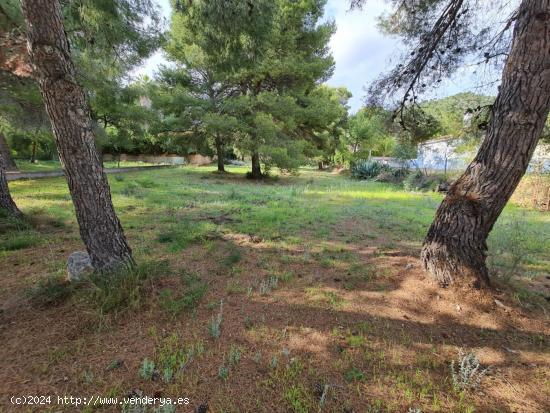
[368, 169]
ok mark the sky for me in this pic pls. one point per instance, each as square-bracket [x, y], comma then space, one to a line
[361, 52]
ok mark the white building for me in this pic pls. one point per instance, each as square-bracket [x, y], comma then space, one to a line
[449, 154]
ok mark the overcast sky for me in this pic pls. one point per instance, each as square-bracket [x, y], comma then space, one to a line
[361, 52]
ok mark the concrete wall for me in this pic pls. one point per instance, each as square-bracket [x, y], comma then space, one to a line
[195, 159]
[434, 155]
[199, 160]
[162, 159]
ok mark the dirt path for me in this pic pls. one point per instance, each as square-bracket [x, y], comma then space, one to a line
[15, 176]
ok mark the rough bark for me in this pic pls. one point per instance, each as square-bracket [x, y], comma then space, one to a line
[7, 205]
[455, 248]
[256, 167]
[9, 163]
[69, 113]
[220, 154]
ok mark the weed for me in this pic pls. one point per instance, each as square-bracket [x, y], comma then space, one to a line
[356, 340]
[165, 408]
[235, 288]
[468, 374]
[146, 183]
[19, 240]
[132, 189]
[50, 291]
[334, 299]
[147, 369]
[234, 355]
[214, 328]
[175, 305]
[266, 286]
[233, 257]
[286, 276]
[223, 372]
[248, 323]
[125, 288]
[357, 274]
[354, 374]
[297, 398]
[257, 357]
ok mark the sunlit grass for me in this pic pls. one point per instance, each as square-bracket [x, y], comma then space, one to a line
[175, 207]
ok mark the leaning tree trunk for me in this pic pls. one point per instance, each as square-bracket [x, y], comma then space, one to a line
[69, 113]
[7, 205]
[456, 245]
[256, 167]
[220, 154]
[9, 163]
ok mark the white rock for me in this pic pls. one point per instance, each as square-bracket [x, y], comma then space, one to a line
[79, 266]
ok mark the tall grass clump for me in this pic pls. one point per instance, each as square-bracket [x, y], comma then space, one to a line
[124, 288]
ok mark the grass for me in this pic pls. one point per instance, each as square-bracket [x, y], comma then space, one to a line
[187, 209]
[312, 271]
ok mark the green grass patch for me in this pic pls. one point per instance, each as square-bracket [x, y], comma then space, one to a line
[19, 240]
[174, 303]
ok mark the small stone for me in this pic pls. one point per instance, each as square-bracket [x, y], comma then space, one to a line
[458, 308]
[501, 305]
[409, 266]
[79, 266]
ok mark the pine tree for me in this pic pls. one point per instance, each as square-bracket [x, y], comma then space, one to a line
[443, 35]
[69, 113]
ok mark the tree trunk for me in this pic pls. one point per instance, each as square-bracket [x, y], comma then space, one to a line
[256, 167]
[320, 165]
[33, 153]
[220, 154]
[7, 205]
[9, 163]
[456, 245]
[69, 113]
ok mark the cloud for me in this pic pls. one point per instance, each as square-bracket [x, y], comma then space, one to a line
[360, 50]
[362, 53]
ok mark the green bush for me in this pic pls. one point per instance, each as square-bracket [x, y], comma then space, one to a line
[368, 169]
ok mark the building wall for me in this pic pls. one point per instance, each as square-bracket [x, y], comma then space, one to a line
[162, 159]
[434, 155]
